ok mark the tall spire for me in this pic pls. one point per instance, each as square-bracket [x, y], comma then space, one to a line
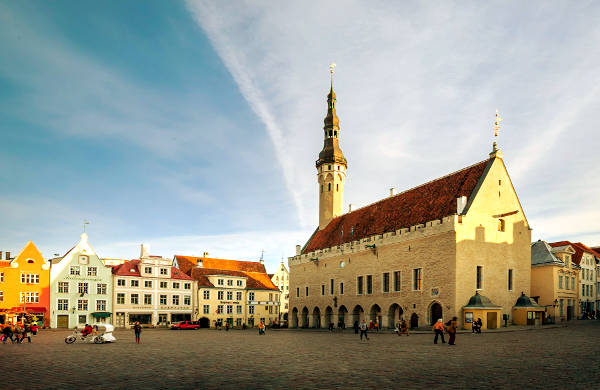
[331, 151]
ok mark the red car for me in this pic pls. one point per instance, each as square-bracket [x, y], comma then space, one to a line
[185, 325]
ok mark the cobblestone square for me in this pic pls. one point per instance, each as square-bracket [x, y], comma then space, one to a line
[545, 358]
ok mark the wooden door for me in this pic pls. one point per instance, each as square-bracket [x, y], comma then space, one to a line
[492, 320]
[62, 321]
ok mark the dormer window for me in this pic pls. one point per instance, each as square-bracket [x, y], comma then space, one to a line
[83, 259]
[30, 261]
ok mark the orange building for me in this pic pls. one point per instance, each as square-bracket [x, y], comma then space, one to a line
[25, 287]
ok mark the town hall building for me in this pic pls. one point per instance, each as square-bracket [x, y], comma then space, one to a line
[457, 246]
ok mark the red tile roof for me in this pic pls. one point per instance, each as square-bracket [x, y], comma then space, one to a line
[427, 202]
[254, 272]
[131, 268]
[187, 262]
[579, 249]
[4, 263]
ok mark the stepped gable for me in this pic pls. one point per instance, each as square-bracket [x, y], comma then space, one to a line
[254, 272]
[427, 202]
[578, 247]
[131, 268]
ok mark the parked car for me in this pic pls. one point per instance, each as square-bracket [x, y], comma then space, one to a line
[185, 325]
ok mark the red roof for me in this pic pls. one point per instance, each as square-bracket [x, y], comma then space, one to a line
[4, 263]
[131, 268]
[427, 202]
[579, 249]
[254, 272]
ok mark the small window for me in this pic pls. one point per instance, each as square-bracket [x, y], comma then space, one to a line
[329, 187]
[306, 290]
[337, 187]
[148, 270]
[501, 225]
[369, 284]
[341, 288]
[83, 259]
[359, 285]
[417, 279]
[386, 282]
[30, 261]
[510, 280]
[322, 289]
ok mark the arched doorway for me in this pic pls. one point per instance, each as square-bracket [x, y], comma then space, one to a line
[375, 314]
[394, 315]
[204, 322]
[435, 312]
[414, 321]
[328, 316]
[357, 314]
[342, 315]
[316, 320]
[304, 317]
[294, 322]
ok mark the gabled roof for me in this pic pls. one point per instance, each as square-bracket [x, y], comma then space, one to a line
[427, 202]
[579, 249]
[254, 272]
[132, 268]
[541, 254]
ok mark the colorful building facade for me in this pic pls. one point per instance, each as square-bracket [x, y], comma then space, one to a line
[232, 291]
[149, 290]
[81, 288]
[25, 287]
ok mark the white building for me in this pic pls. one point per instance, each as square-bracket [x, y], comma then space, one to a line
[281, 279]
[150, 290]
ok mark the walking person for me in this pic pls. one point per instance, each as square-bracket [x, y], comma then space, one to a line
[261, 328]
[438, 328]
[26, 334]
[355, 327]
[363, 330]
[8, 334]
[137, 329]
[451, 329]
[18, 331]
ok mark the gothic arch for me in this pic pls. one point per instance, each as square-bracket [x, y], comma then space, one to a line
[434, 312]
[316, 317]
[304, 322]
[294, 319]
[394, 315]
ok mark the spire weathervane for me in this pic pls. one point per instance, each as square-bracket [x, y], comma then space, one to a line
[496, 130]
[331, 71]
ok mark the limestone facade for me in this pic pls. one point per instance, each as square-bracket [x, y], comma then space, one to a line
[418, 255]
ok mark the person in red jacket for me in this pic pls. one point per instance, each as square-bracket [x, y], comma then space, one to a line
[87, 330]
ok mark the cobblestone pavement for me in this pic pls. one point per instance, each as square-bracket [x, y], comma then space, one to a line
[546, 358]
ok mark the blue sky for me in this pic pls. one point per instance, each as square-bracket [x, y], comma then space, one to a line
[194, 126]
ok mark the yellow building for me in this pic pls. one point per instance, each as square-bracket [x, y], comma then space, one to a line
[233, 291]
[554, 280]
[418, 255]
[586, 258]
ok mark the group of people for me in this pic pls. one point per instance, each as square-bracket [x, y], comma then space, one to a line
[18, 333]
[450, 328]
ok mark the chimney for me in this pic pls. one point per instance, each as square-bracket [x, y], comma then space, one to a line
[145, 251]
[0, 255]
[350, 207]
[298, 250]
[392, 191]
[460, 204]
[7, 255]
[205, 254]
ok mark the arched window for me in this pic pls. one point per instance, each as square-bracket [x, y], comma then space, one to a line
[501, 225]
[329, 187]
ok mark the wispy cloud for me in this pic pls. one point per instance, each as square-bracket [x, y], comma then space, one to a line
[417, 88]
